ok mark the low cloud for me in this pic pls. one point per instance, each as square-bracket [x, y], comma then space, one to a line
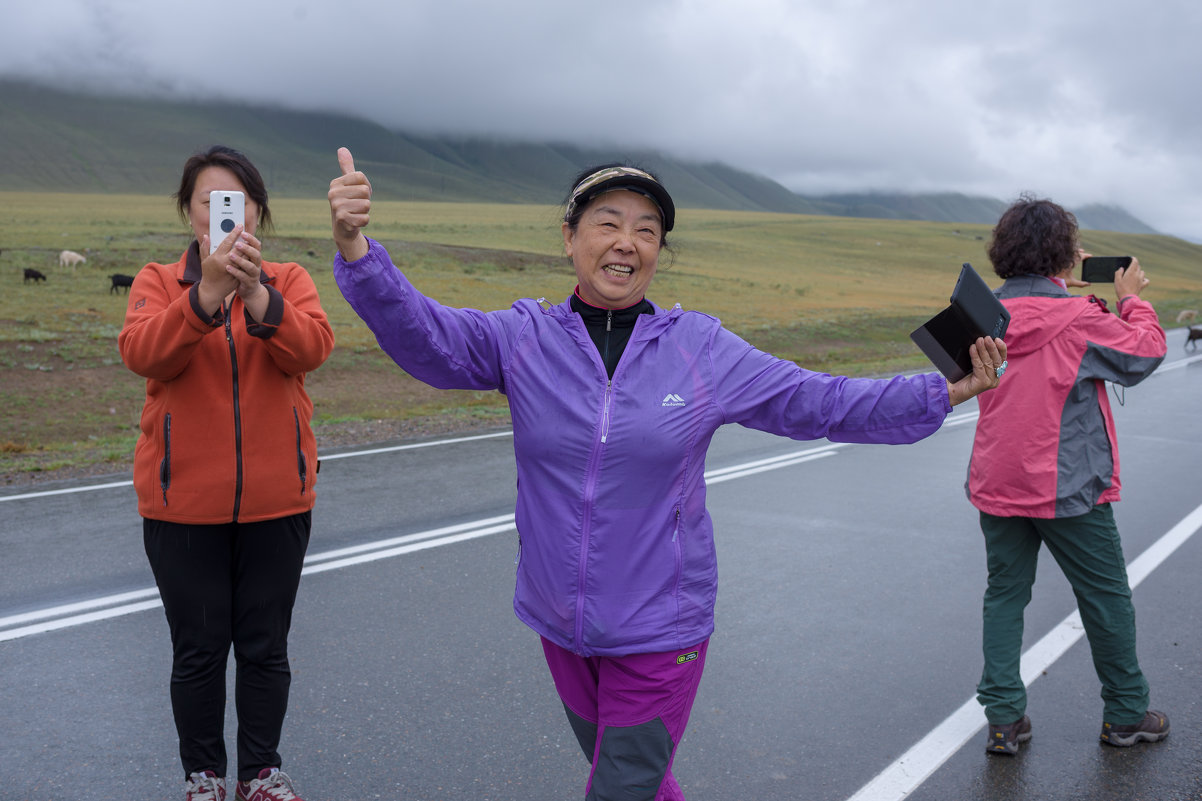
[1081, 102]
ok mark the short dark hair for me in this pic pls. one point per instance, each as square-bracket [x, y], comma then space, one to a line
[576, 201]
[235, 162]
[1034, 236]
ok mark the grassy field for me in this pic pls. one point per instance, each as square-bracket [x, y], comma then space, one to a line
[834, 294]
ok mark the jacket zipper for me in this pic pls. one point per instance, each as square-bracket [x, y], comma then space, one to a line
[679, 559]
[589, 494]
[609, 326]
[605, 411]
[585, 535]
[229, 338]
[300, 452]
[165, 465]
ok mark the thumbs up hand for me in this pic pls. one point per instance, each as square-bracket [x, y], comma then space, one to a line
[350, 207]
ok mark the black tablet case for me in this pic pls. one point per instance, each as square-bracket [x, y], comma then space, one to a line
[974, 312]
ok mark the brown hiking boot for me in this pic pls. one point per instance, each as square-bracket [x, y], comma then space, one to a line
[1005, 739]
[1152, 729]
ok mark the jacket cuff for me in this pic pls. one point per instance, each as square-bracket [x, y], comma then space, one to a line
[194, 301]
[265, 328]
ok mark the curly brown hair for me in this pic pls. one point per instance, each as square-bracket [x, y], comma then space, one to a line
[1035, 236]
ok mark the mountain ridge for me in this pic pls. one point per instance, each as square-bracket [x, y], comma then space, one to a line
[69, 141]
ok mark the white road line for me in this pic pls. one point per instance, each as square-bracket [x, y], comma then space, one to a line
[90, 617]
[912, 768]
[412, 446]
[67, 491]
[68, 609]
[799, 458]
[404, 549]
[961, 419]
[110, 606]
[339, 553]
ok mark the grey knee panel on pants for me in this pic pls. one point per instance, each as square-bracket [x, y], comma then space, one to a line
[630, 763]
[586, 733]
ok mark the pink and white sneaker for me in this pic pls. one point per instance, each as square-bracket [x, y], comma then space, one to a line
[204, 786]
[273, 784]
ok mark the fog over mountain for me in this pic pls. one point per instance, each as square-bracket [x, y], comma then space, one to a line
[1087, 103]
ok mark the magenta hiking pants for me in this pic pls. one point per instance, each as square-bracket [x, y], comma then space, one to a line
[629, 713]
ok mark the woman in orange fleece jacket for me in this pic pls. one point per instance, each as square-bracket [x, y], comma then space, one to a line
[224, 470]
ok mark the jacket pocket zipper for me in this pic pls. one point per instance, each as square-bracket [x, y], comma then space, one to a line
[300, 453]
[165, 465]
[678, 556]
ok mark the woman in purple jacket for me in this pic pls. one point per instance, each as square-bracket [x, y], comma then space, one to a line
[614, 402]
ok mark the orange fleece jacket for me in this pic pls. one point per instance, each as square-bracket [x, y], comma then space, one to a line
[226, 432]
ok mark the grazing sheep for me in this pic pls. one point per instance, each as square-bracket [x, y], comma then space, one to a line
[1191, 339]
[33, 275]
[1187, 315]
[69, 258]
[120, 280]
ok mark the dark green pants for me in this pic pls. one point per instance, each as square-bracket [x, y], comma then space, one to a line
[1088, 550]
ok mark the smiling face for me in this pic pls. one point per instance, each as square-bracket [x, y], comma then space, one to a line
[208, 180]
[615, 248]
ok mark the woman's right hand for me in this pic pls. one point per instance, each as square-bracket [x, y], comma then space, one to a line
[350, 208]
[1130, 281]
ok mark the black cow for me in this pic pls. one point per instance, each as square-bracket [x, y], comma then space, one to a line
[33, 275]
[120, 280]
[1195, 333]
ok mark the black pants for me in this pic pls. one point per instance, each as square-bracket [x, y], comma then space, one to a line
[221, 585]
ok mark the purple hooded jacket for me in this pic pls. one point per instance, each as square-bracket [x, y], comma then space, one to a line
[616, 546]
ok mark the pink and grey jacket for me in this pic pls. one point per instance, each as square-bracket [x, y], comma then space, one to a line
[616, 546]
[1045, 444]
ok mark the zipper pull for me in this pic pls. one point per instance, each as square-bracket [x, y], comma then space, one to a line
[605, 413]
[676, 530]
[609, 321]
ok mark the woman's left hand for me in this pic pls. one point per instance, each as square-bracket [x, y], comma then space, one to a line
[1070, 275]
[246, 265]
[988, 365]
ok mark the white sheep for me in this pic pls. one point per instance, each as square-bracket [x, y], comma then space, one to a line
[69, 258]
[1188, 315]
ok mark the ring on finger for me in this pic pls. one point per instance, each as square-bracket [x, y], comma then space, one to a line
[1001, 368]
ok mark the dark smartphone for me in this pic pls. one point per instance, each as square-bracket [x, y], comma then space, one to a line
[1101, 269]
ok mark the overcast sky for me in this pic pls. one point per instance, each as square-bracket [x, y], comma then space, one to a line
[1082, 101]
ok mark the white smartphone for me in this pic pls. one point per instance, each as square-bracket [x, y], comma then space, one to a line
[227, 209]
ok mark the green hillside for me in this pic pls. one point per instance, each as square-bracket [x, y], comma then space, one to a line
[58, 141]
[68, 142]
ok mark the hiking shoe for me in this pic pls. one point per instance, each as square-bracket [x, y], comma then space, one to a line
[273, 784]
[1005, 739]
[1152, 729]
[204, 786]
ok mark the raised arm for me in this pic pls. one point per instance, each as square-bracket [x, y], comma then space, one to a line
[350, 208]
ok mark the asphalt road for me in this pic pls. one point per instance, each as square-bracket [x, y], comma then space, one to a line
[847, 647]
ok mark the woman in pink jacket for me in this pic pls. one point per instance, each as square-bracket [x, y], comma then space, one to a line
[1045, 467]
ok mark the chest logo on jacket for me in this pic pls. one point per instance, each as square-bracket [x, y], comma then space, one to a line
[672, 399]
